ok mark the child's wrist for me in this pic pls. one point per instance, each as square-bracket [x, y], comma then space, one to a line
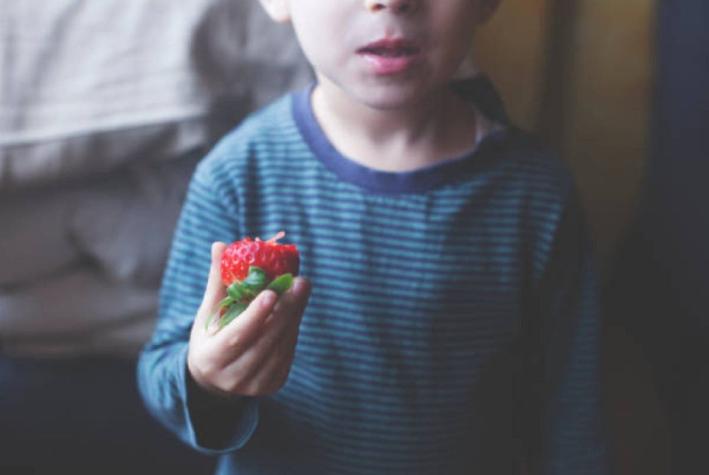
[206, 397]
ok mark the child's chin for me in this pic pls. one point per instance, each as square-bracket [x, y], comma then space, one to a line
[392, 98]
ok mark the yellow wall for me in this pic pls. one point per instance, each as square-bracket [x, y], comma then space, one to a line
[511, 50]
[606, 67]
[609, 110]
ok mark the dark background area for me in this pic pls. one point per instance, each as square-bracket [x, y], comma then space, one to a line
[83, 416]
[659, 291]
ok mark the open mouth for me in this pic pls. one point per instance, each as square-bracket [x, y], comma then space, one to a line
[390, 56]
[390, 48]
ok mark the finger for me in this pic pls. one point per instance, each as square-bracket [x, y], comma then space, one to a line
[237, 336]
[301, 289]
[214, 282]
[277, 336]
[257, 315]
[214, 291]
[292, 303]
[258, 321]
[281, 325]
[263, 363]
[272, 372]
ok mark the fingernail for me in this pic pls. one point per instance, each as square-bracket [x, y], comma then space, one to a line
[214, 249]
[268, 298]
[299, 286]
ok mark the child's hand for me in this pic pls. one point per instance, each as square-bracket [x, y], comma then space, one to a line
[252, 355]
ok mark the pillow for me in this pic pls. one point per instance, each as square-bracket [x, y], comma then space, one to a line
[124, 223]
[89, 86]
[77, 311]
[34, 241]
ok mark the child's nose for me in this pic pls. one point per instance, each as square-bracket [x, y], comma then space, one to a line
[396, 6]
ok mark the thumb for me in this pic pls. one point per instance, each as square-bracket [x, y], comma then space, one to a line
[215, 291]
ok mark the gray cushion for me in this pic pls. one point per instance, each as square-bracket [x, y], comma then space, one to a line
[87, 86]
[105, 106]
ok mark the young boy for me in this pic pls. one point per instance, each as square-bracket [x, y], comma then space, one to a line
[448, 323]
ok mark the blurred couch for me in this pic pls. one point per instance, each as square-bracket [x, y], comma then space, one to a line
[105, 109]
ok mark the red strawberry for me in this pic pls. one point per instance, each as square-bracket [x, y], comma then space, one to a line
[273, 258]
[249, 266]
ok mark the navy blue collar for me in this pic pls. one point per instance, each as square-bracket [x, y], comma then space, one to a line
[479, 91]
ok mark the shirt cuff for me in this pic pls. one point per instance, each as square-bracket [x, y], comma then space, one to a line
[215, 425]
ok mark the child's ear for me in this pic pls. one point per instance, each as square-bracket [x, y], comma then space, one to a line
[277, 9]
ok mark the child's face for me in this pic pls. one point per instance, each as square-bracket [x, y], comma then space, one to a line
[387, 53]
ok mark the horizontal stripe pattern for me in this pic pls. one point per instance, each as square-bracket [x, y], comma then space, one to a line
[422, 302]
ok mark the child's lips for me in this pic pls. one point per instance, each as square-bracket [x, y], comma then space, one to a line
[390, 56]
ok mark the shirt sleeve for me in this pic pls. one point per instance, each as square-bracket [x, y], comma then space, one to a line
[567, 430]
[209, 423]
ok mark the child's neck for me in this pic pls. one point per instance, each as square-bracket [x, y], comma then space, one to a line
[397, 140]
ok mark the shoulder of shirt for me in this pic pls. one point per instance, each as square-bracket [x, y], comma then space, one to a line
[260, 130]
[516, 151]
[535, 164]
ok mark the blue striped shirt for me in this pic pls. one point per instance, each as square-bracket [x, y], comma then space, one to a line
[453, 325]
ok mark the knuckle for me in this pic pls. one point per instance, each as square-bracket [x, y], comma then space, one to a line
[237, 380]
[209, 371]
[204, 364]
[279, 351]
[285, 353]
[288, 348]
[234, 341]
[235, 387]
[252, 390]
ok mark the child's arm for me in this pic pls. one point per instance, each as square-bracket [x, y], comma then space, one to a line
[250, 357]
[211, 411]
[569, 436]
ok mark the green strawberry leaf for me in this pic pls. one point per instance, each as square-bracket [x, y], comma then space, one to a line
[226, 302]
[246, 290]
[223, 305]
[240, 294]
[281, 283]
[235, 292]
[233, 312]
[256, 280]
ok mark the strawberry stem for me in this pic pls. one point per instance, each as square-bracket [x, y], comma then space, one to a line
[279, 235]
